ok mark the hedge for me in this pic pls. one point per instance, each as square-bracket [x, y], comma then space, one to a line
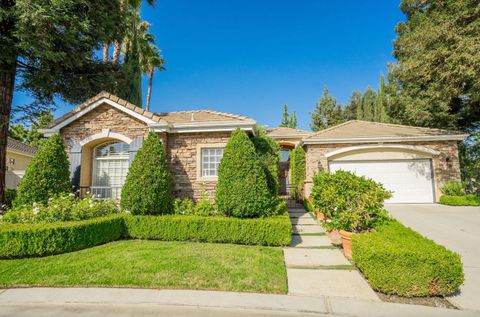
[272, 231]
[27, 240]
[397, 260]
[464, 200]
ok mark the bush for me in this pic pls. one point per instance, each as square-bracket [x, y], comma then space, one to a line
[268, 153]
[61, 208]
[242, 189]
[10, 195]
[352, 203]
[204, 207]
[297, 165]
[465, 200]
[47, 174]
[26, 240]
[397, 260]
[183, 206]
[148, 186]
[272, 231]
[453, 188]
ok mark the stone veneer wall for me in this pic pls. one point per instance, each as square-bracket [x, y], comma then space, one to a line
[442, 170]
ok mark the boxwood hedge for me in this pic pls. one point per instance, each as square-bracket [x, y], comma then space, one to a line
[397, 260]
[464, 200]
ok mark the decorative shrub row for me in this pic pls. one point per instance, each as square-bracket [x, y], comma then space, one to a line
[272, 231]
[397, 260]
[464, 200]
[31, 240]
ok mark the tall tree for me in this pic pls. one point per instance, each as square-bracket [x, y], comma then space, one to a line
[381, 102]
[327, 113]
[285, 117]
[48, 49]
[30, 135]
[368, 105]
[293, 121]
[437, 49]
[354, 107]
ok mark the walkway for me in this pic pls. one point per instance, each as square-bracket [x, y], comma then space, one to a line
[316, 268]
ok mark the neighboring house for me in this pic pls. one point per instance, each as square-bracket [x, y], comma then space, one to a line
[18, 156]
[103, 134]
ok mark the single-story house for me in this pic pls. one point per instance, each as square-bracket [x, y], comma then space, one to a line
[103, 134]
[18, 156]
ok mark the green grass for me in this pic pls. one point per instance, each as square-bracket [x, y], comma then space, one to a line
[155, 264]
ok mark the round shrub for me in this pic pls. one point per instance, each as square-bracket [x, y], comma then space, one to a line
[47, 174]
[242, 189]
[268, 153]
[148, 186]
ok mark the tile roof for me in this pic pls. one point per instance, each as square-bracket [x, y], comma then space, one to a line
[17, 146]
[285, 132]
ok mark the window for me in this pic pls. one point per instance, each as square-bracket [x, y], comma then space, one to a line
[211, 158]
[110, 168]
[284, 156]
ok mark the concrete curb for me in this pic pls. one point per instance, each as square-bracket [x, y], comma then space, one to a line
[216, 299]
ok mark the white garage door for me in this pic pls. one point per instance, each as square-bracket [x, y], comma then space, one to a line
[409, 180]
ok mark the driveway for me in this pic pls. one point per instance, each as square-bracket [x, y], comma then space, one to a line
[457, 228]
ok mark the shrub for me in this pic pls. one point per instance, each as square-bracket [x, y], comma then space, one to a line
[183, 206]
[10, 195]
[268, 153]
[308, 206]
[352, 203]
[148, 186]
[272, 231]
[61, 208]
[465, 200]
[453, 188]
[297, 166]
[204, 207]
[47, 174]
[397, 260]
[25, 240]
[242, 189]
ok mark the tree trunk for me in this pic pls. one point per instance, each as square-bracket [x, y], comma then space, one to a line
[106, 47]
[7, 85]
[117, 48]
[149, 92]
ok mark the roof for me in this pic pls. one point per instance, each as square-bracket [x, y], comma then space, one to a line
[357, 130]
[198, 116]
[284, 132]
[17, 146]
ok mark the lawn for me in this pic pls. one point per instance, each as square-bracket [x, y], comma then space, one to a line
[155, 264]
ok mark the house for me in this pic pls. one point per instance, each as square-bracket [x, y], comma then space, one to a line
[18, 156]
[103, 134]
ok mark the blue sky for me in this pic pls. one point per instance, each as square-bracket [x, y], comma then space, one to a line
[251, 57]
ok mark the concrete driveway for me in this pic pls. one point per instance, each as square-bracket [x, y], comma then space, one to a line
[457, 228]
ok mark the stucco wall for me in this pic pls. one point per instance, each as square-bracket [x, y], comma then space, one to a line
[445, 164]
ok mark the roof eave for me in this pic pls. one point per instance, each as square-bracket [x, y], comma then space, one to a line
[205, 126]
[448, 137]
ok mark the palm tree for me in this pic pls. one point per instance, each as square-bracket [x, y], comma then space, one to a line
[152, 59]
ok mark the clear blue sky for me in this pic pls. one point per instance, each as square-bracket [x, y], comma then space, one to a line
[251, 57]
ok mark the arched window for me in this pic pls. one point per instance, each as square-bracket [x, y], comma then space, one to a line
[110, 168]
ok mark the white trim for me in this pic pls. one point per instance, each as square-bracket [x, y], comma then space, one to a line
[415, 148]
[20, 153]
[205, 126]
[199, 160]
[106, 134]
[445, 137]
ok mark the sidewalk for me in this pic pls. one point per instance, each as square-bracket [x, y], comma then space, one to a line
[56, 298]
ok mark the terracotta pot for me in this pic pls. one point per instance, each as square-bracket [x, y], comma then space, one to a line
[320, 216]
[310, 200]
[335, 237]
[347, 243]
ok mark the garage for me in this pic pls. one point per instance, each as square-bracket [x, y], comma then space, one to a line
[411, 181]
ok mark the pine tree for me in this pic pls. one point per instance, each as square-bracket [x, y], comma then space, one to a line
[285, 117]
[293, 120]
[368, 105]
[327, 113]
[381, 102]
[354, 106]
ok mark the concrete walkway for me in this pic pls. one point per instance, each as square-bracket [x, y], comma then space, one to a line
[316, 268]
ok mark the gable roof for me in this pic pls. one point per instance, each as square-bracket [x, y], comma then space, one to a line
[199, 116]
[284, 132]
[357, 131]
[17, 146]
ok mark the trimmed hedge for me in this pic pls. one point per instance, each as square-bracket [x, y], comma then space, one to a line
[464, 200]
[397, 260]
[27, 240]
[273, 231]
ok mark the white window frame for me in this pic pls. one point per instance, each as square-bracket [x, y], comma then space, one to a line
[200, 148]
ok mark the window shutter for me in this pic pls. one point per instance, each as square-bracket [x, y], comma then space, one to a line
[75, 158]
[134, 146]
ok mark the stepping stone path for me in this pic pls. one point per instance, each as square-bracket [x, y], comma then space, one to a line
[317, 268]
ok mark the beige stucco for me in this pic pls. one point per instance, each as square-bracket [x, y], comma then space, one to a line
[17, 161]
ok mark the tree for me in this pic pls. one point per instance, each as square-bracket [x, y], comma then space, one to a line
[354, 107]
[242, 188]
[285, 117]
[469, 153]
[293, 121]
[48, 49]
[438, 68]
[327, 113]
[47, 174]
[381, 102]
[368, 105]
[31, 136]
[148, 186]
[268, 152]
[298, 169]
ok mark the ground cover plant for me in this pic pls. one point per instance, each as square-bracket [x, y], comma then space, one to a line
[454, 194]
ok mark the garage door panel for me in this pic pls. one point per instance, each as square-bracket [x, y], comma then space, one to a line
[409, 180]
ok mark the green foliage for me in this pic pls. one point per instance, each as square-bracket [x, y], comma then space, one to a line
[353, 110]
[368, 105]
[352, 203]
[148, 186]
[61, 208]
[327, 113]
[453, 188]
[185, 206]
[242, 189]
[31, 136]
[27, 240]
[293, 121]
[47, 174]
[268, 152]
[308, 206]
[463, 200]
[288, 121]
[205, 207]
[273, 231]
[469, 154]
[298, 169]
[397, 260]
[10, 195]
[381, 102]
